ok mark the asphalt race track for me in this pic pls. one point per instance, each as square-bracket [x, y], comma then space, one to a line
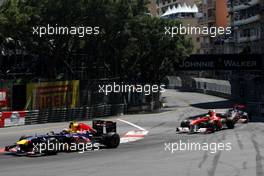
[148, 156]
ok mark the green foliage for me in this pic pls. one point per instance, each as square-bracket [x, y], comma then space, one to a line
[150, 52]
[131, 45]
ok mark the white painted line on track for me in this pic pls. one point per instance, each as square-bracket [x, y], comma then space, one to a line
[133, 135]
[132, 124]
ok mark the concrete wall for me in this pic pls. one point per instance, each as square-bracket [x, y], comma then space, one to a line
[221, 88]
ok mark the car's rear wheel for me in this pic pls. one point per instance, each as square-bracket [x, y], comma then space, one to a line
[185, 124]
[112, 140]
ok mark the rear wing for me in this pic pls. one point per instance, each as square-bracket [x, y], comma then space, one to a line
[103, 127]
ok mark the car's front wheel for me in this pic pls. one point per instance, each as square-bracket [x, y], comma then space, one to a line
[230, 124]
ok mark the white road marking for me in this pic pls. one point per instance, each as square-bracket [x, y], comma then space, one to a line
[132, 124]
[134, 135]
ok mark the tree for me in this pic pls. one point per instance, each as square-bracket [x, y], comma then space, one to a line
[150, 53]
[130, 45]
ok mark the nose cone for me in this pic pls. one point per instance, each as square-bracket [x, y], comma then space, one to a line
[22, 142]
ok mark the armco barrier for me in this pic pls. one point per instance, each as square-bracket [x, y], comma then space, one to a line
[59, 115]
[77, 113]
[32, 117]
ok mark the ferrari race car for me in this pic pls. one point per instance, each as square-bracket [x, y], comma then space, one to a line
[205, 124]
[52, 143]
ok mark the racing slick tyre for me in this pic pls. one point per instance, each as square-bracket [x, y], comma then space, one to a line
[216, 126]
[230, 124]
[185, 124]
[51, 146]
[112, 140]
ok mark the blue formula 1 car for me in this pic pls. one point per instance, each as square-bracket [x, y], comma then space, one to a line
[52, 143]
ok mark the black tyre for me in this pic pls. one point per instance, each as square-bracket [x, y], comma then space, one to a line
[185, 124]
[230, 124]
[112, 140]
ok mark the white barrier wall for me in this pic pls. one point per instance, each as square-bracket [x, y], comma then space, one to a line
[200, 84]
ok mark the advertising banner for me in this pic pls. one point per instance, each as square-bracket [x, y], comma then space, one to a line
[221, 62]
[12, 118]
[2, 121]
[53, 94]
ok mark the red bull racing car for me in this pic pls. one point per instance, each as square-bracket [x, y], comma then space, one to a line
[104, 135]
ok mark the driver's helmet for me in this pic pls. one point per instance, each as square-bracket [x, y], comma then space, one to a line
[73, 126]
[211, 113]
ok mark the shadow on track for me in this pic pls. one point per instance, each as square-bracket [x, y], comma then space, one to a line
[215, 105]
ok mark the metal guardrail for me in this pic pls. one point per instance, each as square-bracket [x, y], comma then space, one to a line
[32, 117]
[68, 114]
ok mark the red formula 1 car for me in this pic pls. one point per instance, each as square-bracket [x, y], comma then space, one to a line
[206, 123]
